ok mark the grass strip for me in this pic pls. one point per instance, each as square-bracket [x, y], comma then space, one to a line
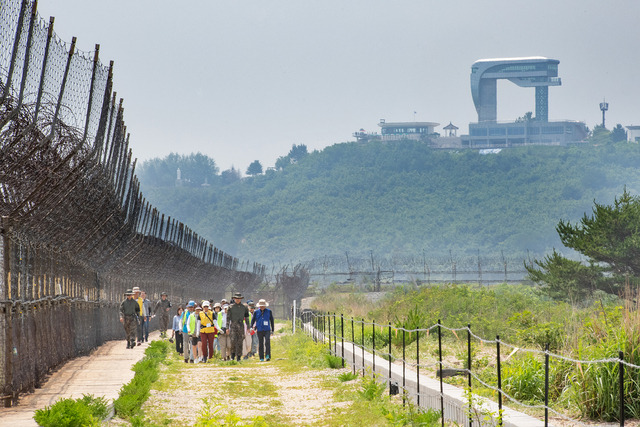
[133, 395]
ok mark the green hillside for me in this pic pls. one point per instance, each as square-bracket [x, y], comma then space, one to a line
[404, 197]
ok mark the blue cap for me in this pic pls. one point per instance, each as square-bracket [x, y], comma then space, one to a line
[191, 304]
[250, 301]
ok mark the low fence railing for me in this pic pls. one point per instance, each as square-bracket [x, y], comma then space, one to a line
[339, 333]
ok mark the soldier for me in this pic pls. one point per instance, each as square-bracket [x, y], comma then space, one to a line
[237, 314]
[129, 313]
[163, 306]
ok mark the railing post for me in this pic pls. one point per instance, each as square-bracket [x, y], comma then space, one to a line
[418, 366]
[404, 392]
[353, 347]
[329, 330]
[546, 384]
[440, 369]
[469, 373]
[499, 381]
[362, 339]
[342, 337]
[335, 335]
[373, 330]
[389, 356]
[621, 369]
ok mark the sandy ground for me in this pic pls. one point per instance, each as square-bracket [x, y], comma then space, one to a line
[297, 396]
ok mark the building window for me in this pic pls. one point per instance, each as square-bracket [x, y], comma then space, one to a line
[479, 132]
[497, 131]
[516, 131]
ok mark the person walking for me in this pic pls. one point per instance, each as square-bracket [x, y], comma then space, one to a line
[146, 316]
[129, 312]
[254, 336]
[176, 330]
[188, 351]
[238, 317]
[136, 297]
[223, 335]
[163, 306]
[264, 324]
[193, 328]
[208, 329]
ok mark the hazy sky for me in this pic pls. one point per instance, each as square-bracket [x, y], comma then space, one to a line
[244, 80]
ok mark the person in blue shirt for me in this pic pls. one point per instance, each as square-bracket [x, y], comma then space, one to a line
[263, 323]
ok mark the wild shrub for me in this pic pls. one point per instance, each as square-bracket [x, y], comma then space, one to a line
[86, 411]
[371, 388]
[334, 362]
[594, 388]
[347, 376]
[523, 378]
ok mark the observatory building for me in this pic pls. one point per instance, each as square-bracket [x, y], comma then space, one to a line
[536, 72]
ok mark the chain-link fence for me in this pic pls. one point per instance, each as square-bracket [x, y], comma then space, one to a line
[75, 230]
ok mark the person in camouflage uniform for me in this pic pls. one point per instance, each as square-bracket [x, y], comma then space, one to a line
[237, 314]
[129, 314]
[163, 306]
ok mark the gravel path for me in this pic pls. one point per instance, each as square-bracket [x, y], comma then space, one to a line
[250, 389]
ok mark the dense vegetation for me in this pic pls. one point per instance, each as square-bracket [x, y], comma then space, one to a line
[523, 316]
[401, 197]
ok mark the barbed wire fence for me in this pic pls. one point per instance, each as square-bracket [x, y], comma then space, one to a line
[422, 268]
[359, 336]
[75, 229]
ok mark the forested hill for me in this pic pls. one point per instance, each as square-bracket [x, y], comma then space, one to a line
[404, 197]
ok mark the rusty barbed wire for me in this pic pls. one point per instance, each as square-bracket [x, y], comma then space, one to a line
[75, 229]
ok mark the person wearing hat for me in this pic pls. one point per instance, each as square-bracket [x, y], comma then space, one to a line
[163, 306]
[129, 312]
[188, 351]
[264, 324]
[193, 327]
[237, 315]
[208, 329]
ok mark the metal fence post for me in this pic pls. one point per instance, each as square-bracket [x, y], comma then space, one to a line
[440, 369]
[418, 365]
[362, 339]
[546, 384]
[353, 347]
[14, 54]
[373, 330]
[469, 373]
[621, 369]
[342, 337]
[329, 331]
[499, 381]
[404, 390]
[390, 357]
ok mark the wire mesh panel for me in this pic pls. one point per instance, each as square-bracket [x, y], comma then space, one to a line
[75, 230]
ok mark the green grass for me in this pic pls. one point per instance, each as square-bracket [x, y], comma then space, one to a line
[133, 395]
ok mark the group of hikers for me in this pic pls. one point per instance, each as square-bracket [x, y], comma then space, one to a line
[234, 331]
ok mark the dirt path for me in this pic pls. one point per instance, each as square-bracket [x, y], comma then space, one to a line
[101, 373]
[250, 389]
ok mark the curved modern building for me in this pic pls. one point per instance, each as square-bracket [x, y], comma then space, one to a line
[536, 71]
